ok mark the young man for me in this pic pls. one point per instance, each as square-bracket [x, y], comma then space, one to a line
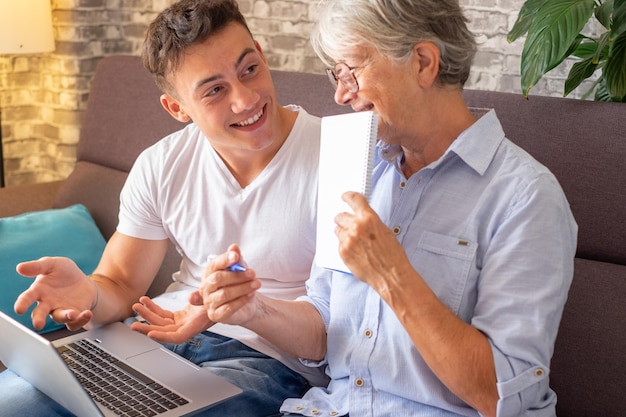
[221, 179]
[460, 266]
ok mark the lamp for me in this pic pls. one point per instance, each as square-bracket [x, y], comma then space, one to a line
[25, 28]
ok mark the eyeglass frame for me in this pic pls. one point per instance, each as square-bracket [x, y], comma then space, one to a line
[349, 80]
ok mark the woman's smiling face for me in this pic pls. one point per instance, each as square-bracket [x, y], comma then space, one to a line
[384, 86]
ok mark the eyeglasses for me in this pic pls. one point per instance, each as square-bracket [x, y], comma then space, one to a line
[344, 74]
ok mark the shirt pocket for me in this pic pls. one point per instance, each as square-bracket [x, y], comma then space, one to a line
[445, 263]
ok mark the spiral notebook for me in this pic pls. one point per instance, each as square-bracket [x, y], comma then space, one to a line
[346, 160]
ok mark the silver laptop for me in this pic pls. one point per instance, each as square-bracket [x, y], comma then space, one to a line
[139, 376]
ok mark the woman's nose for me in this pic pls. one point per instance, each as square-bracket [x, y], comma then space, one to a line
[343, 95]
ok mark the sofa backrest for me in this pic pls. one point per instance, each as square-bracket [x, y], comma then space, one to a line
[584, 145]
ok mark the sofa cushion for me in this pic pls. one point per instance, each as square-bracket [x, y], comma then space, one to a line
[96, 187]
[588, 371]
[67, 232]
[22, 198]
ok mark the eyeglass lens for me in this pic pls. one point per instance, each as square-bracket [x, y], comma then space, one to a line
[344, 74]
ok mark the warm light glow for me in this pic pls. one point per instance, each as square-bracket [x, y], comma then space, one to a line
[25, 26]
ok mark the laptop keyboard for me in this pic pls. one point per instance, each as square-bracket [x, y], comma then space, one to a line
[116, 385]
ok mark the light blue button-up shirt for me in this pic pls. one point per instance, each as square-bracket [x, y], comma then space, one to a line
[490, 231]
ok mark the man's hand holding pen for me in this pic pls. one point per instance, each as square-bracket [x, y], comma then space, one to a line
[228, 289]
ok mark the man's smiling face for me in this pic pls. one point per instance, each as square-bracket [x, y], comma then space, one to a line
[224, 85]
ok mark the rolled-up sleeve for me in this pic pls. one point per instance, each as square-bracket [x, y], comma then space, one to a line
[523, 289]
[526, 387]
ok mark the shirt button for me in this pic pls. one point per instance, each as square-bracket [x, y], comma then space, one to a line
[538, 372]
[396, 230]
[299, 408]
[402, 184]
[368, 333]
[359, 382]
[315, 412]
[334, 413]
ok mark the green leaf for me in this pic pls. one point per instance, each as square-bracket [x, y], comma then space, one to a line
[619, 18]
[574, 46]
[602, 46]
[553, 29]
[614, 71]
[524, 19]
[586, 49]
[603, 13]
[601, 92]
[580, 72]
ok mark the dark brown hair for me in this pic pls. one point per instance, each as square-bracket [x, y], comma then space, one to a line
[183, 24]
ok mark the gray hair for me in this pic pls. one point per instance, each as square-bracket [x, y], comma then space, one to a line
[393, 27]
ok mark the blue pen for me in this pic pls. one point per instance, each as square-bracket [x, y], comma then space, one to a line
[236, 267]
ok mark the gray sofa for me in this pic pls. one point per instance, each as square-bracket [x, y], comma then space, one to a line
[583, 143]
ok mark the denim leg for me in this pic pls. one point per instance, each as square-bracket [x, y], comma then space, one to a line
[19, 398]
[265, 381]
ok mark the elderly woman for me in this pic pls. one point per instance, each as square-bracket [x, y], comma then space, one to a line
[462, 263]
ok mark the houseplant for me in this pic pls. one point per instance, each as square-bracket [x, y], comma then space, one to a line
[552, 29]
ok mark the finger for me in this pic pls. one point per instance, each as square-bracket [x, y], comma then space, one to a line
[36, 267]
[168, 337]
[79, 321]
[148, 328]
[230, 295]
[222, 280]
[148, 303]
[25, 300]
[72, 319]
[234, 247]
[63, 315]
[225, 311]
[215, 263]
[40, 314]
[140, 327]
[236, 289]
[195, 298]
[38, 320]
[225, 260]
[355, 200]
[160, 317]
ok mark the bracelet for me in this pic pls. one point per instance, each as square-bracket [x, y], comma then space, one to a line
[95, 301]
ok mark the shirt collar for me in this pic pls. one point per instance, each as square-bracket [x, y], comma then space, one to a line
[478, 144]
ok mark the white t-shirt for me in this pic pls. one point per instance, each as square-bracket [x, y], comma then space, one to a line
[180, 189]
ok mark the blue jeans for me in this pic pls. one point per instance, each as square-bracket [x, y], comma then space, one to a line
[265, 382]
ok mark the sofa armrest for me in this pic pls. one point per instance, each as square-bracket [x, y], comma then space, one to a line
[20, 199]
[29, 197]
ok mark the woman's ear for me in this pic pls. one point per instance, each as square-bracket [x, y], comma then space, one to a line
[173, 107]
[426, 62]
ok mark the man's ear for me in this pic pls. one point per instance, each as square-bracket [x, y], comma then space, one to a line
[172, 106]
[426, 62]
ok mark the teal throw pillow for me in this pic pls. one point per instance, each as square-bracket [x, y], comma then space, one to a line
[69, 232]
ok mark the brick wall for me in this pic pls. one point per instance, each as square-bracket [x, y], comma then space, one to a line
[43, 97]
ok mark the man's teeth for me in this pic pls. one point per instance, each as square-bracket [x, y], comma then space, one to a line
[251, 120]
